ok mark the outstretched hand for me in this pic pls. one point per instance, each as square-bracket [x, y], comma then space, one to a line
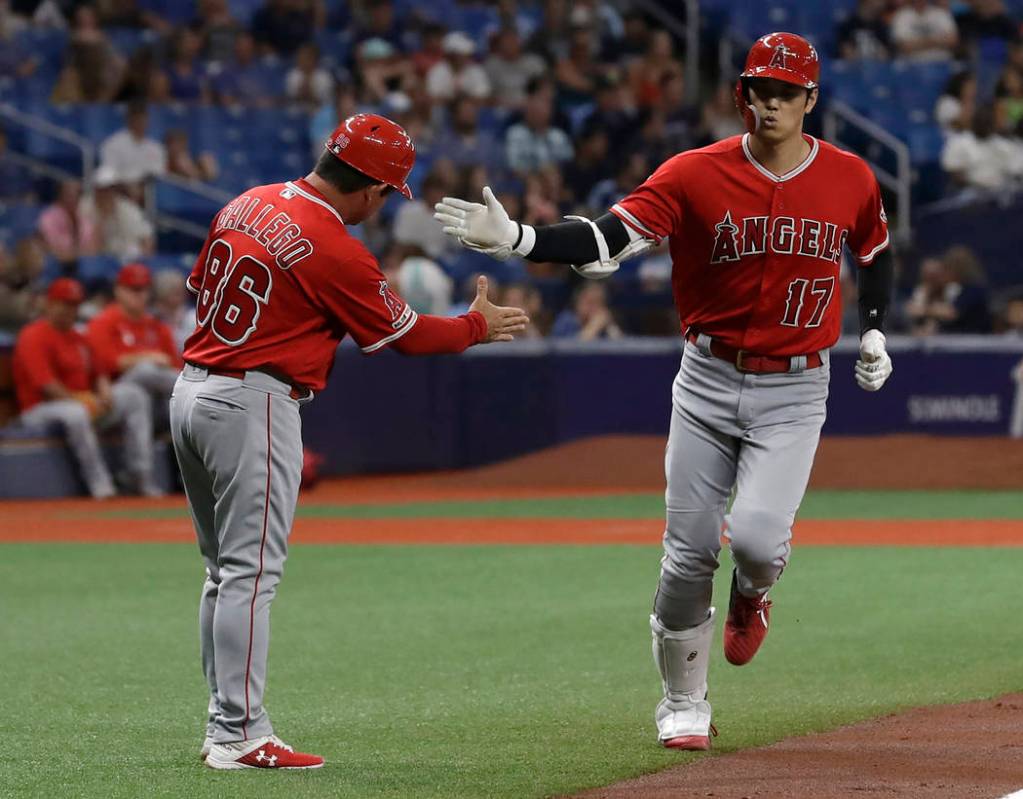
[501, 322]
[486, 228]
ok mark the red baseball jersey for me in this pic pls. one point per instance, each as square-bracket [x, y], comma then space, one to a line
[280, 281]
[112, 333]
[44, 355]
[756, 256]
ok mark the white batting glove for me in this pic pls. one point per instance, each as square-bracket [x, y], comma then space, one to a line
[874, 366]
[485, 228]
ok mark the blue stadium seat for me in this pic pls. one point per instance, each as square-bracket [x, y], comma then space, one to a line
[96, 270]
[127, 40]
[17, 221]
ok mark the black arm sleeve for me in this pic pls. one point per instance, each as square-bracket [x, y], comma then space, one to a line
[875, 289]
[573, 242]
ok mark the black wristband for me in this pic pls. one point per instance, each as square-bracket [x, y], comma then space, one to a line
[874, 284]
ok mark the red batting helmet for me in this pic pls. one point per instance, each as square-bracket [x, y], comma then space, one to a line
[377, 147]
[782, 56]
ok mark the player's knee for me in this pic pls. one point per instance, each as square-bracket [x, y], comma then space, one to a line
[131, 396]
[692, 541]
[74, 417]
[759, 539]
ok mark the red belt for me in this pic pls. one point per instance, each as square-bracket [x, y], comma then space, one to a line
[297, 392]
[748, 362]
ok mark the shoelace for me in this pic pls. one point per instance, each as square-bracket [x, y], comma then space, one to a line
[279, 743]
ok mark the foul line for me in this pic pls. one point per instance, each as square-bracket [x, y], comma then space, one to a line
[1016, 795]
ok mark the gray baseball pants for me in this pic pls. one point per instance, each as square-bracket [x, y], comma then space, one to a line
[131, 410]
[754, 434]
[239, 447]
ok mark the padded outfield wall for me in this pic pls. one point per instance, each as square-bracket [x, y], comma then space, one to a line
[389, 413]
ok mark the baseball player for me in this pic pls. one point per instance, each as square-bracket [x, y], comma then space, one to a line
[59, 381]
[132, 345]
[279, 282]
[756, 224]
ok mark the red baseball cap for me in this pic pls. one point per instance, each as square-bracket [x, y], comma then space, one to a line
[66, 289]
[134, 276]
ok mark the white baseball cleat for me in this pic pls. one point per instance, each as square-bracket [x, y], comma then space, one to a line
[267, 752]
[206, 746]
[684, 725]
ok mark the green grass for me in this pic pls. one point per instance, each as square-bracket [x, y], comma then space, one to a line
[463, 672]
[817, 505]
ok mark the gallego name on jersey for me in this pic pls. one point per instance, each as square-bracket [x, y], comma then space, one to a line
[281, 237]
[785, 235]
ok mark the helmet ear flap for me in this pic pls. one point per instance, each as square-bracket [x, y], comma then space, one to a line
[749, 114]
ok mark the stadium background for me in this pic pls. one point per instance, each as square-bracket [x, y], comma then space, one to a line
[512, 457]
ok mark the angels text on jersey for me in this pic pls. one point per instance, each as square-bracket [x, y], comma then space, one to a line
[749, 236]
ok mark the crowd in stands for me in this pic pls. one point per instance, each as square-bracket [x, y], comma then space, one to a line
[561, 107]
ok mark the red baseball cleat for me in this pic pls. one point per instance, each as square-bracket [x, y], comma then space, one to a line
[746, 625]
[267, 752]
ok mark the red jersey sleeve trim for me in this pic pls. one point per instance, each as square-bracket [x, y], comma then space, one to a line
[634, 223]
[867, 259]
[190, 287]
[394, 336]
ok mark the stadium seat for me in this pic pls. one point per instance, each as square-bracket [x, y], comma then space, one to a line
[97, 270]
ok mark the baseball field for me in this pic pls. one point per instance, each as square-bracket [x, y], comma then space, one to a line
[484, 634]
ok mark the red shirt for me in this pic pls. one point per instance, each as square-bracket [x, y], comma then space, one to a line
[44, 355]
[756, 256]
[280, 281]
[112, 333]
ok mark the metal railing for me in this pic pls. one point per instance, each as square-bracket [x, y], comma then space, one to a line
[169, 221]
[47, 128]
[901, 182]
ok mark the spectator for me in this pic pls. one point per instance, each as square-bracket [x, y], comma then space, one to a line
[308, 84]
[138, 77]
[923, 30]
[614, 111]
[986, 19]
[951, 296]
[57, 383]
[92, 71]
[529, 299]
[130, 153]
[1009, 102]
[864, 35]
[540, 206]
[589, 318]
[646, 75]
[668, 127]
[550, 40]
[218, 30]
[16, 60]
[341, 106]
[181, 162]
[383, 70]
[186, 78]
[458, 73]
[172, 305]
[241, 80]
[464, 144]
[510, 70]
[630, 173]
[957, 104]
[19, 273]
[1012, 318]
[130, 344]
[979, 158]
[423, 283]
[589, 166]
[534, 142]
[636, 38]
[15, 180]
[414, 223]
[281, 26]
[66, 232]
[380, 22]
[719, 119]
[430, 50]
[577, 72]
[123, 230]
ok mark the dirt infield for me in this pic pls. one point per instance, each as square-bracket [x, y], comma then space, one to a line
[968, 751]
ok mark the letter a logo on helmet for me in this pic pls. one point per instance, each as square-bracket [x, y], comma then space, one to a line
[779, 58]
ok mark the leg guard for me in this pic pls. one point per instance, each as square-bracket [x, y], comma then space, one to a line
[682, 658]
